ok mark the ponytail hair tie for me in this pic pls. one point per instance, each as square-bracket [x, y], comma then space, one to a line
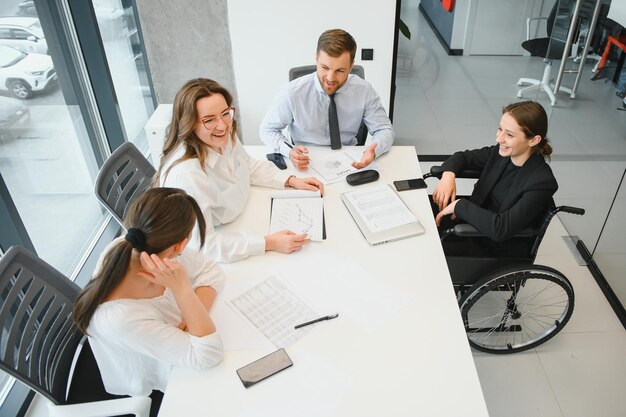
[136, 237]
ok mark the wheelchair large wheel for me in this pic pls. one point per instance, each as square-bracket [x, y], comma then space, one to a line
[516, 308]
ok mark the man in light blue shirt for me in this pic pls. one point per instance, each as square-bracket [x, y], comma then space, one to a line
[303, 106]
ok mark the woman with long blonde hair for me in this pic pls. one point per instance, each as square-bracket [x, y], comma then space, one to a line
[203, 156]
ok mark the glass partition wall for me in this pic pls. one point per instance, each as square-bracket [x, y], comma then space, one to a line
[445, 103]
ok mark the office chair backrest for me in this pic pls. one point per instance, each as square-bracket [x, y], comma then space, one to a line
[38, 337]
[125, 175]
[358, 70]
[297, 72]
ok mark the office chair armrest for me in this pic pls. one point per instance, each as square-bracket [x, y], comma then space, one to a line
[436, 171]
[528, 25]
[139, 406]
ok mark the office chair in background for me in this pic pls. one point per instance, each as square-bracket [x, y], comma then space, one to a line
[39, 341]
[125, 175]
[549, 48]
[358, 70]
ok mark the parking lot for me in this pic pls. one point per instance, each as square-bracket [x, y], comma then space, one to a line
[43, 165]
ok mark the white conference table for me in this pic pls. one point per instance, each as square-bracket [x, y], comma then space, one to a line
[404, 354]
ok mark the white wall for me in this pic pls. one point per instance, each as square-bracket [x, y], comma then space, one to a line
[270, 36]
[459, 28]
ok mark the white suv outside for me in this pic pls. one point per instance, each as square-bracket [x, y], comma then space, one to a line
[21, 73]
[23, 33]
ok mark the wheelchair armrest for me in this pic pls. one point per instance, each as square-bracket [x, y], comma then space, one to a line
[437, 171]
[467, 230]
[571, 210]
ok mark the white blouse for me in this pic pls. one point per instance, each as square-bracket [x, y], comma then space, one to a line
[221, 189]
[136, 341]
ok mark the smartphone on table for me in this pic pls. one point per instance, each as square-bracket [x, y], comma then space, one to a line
[263, 368]
[412, 184]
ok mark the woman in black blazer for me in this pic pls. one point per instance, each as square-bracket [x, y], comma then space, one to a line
[516, 184]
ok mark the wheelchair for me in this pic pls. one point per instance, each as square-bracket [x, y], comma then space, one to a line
[509, 304]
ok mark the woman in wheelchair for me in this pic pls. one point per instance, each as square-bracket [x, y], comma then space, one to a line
[514, 190]
[508, 303]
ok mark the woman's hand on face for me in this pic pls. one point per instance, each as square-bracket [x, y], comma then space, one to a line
[285, 241]
[445, 191]
[164, 272]
[449, 209]
[309, 183]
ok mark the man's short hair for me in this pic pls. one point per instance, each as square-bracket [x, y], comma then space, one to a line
[335, 42]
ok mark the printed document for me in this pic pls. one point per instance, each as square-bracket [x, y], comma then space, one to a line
[333, 167]
[274, 310]
[299, 211]
[380, 208]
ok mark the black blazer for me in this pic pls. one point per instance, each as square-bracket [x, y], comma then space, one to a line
[526, 203]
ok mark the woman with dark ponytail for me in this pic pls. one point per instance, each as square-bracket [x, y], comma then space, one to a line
[516, 184]
[147, 306]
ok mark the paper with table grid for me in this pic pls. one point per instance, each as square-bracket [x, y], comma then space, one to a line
[274, 310]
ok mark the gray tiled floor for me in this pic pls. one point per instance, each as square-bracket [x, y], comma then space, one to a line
[444, 104]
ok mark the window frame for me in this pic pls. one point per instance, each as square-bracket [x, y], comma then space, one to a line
[73, 43]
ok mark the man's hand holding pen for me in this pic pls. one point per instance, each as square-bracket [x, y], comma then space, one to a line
[299, 156]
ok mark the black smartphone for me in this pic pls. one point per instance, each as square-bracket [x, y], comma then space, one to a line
[263, 368]
[414, 184]
[277, 159]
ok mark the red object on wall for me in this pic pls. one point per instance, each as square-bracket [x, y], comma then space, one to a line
[448, 5]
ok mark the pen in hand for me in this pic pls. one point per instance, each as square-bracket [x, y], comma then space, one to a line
[303, 151]
[332, 316]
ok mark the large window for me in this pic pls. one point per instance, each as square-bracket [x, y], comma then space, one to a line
[47, 159]
[127, 63]
[74, 85]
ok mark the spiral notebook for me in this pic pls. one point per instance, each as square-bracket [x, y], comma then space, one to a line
[381, 215]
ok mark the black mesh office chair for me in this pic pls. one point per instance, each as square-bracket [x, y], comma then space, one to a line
[124, 175]
[508, 303]
[38, 341]
[358, 70]
[549, 48]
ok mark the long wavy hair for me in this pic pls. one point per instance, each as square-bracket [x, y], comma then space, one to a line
[165, 217]
[184, 119]
[532, 118]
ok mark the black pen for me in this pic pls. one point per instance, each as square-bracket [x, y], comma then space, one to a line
[291, 146]
[332, 316]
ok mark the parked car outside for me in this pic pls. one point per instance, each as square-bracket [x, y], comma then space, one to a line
[23, 33]
[13, 114]
[22, 74]
[27, 8]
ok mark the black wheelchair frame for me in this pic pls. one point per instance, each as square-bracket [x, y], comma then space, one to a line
[509, 304]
